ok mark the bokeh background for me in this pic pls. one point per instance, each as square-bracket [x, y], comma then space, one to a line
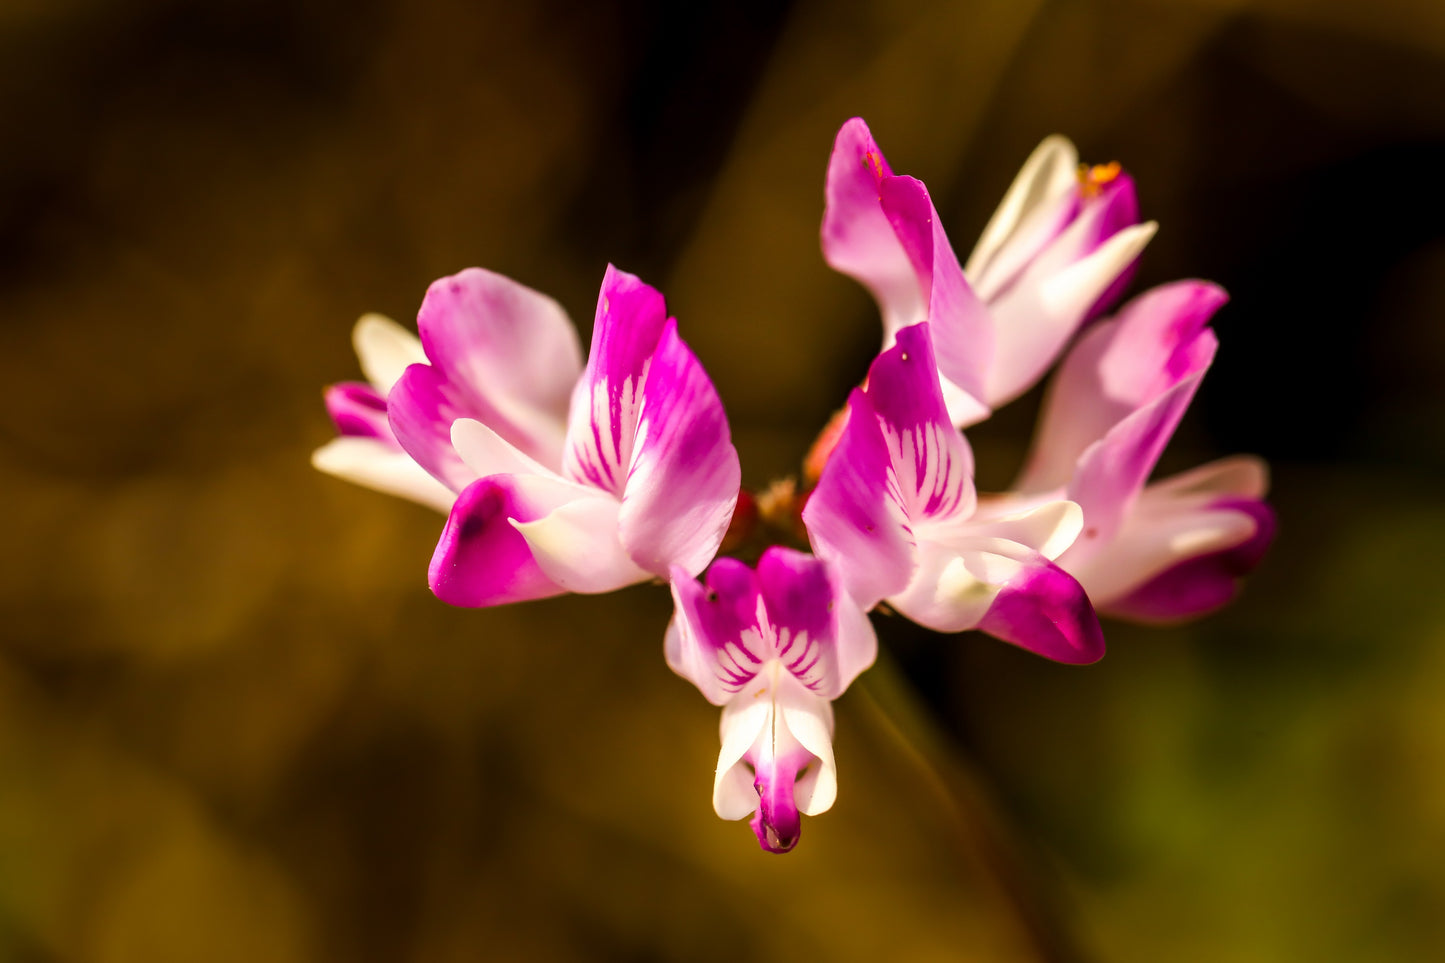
[236, 726]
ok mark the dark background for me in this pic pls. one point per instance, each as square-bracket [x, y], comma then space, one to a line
[235, 725]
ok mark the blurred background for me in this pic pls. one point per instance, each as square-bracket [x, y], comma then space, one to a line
[235, 724]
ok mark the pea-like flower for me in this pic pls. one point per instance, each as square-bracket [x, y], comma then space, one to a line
[1166, 551]
[1060, 245]
[773, 646]
[555, 478]
[896, 511]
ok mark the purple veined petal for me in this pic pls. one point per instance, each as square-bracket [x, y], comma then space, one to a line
[1204, 513]
[930, 459]
[1204, 583]
[855, 516]
[384, 467]
[1157, 340]
[959, 323]
[577, 544]
[683, 478]
[485, 452]
[1042, 199]
[800, 594]
[721, 642]
[481, 558]
[421, 408]
[606, 403]
[509, 354]
[1038, 314]
[359, 411]
[857, 239]
[385, 350]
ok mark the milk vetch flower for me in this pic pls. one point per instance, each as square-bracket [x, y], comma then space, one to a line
[1062, 241]
[895, 511]
[773, 646]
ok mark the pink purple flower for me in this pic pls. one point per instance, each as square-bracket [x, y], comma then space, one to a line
[1061, 243]
[773, 646]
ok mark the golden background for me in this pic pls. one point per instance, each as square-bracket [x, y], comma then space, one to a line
[235, 725]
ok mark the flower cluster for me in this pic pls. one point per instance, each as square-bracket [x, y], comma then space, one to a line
[559, 476]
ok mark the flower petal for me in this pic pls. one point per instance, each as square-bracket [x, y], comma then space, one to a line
[855, 517]
[1212, 516]
[742, 725]
[683, 480]
[857, 238]
[485, 452]
[810, 721]
[930, 459]
[380, 465]
[1157, 340]
[1043, 609]
[1007, 590]
[800, 594]
[606, 403]
[959, 323]
[422, 407]
[510, 353]
[481, 558]
[359, 411]
[577, 544]
[385, 349]
[1039, 202]
[1038, 314]
[719, 645]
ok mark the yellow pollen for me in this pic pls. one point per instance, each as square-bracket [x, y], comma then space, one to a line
[1092, 179]
[873, 162]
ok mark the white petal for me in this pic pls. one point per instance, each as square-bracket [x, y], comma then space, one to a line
[1050, 172]
[577, 546]
[385, 349]
[375, 464]
[487, 453]
[743, 719]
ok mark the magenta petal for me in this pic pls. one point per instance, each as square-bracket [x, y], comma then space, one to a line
[604, 414]
[422, 407]
[777, 823]
[683, 480]
[857, 238]
[510, 354]
[1200, 585]
[801, 598]
[717, 621]
[481, 559]
[1044, 610]
[855, 517]
[1158, 339]
[959, 323]
[932, 462]
[358, 411]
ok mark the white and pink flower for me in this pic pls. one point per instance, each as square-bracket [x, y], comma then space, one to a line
[773, 646]
[1061, 243]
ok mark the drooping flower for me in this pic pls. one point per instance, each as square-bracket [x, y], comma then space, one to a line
[773, 647]
[365, 451]
[895, 511]
[1060, 245]
[1173, 549]
[563, 484]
